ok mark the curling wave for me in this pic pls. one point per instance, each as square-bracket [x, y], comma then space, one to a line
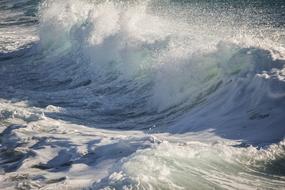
[144, 69]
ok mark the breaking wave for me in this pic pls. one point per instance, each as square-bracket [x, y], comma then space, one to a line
[156, 67]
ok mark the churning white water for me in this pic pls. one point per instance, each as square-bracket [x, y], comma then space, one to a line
[142, 95]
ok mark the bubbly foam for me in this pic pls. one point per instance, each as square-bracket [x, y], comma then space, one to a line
[89, 102]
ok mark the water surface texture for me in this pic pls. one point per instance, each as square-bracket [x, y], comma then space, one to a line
[157, 94]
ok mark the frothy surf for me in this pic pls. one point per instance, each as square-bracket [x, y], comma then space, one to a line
[141, 95]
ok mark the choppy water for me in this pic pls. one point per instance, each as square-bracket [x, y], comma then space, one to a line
[142, 95]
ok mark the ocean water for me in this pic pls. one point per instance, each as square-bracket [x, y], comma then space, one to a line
[156, 94]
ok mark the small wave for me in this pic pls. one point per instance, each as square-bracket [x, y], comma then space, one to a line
[198, 165]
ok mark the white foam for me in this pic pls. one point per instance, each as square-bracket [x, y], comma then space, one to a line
[227, 82]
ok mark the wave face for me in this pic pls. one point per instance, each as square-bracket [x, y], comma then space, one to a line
[142, 95]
